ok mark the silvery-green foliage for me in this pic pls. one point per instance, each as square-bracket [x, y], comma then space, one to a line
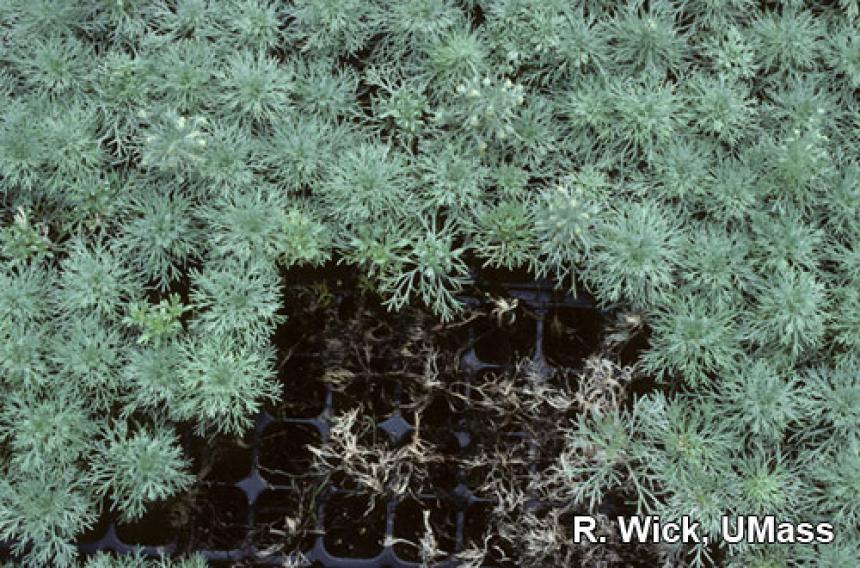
[564, 219]
[246, 224]
[306, 240]
[47, 431]
[135, 468]
[139, 560]
[503, 235]
[680, 433]
[830, 397]
[322, 89]
[24, 240]
[156, 324]
[236, 301]
[763, 401]
[23, 355]
[90, 355]
[634, 254]
[696, 339]
[647, 39]
[768, 484]
[24, 294]
[166, 166]
[180, 74]
[43, 512]
[456, 56]
[366, 183]
[174, 143]
[788, 317]
[431, 268]
[451, 179]
[837, 492]
[150, 378]
[56, 64]
[338, 27]
[715, 264]
[255, 24]
[22, 146]
[296, 153]
[159, 236]
[600, 456]
[254, 88]
[222, 384]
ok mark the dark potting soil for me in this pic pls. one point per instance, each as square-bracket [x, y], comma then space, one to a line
[631, 350]
[230, 463]
[377, 395]
[284, 453]
[303, 391]
[219, 519]
[504, 345]
[444, 476]
[490, 278]
[476, 524]
[452, 439]
[571, 335]
[410, 526]
[285, 520]
[156, 528]
[351, 528]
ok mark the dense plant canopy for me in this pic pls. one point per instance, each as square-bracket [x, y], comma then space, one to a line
[164, 164]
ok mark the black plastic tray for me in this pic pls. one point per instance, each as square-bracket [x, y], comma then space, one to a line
[461, 503]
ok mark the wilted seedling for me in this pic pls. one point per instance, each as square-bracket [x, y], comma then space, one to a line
[504, 311]
[602, 386]
[626, 326]
[429, 552]
[539, 539]
[473, 555]
[354, 456]
[297, 522]
[524, 395]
